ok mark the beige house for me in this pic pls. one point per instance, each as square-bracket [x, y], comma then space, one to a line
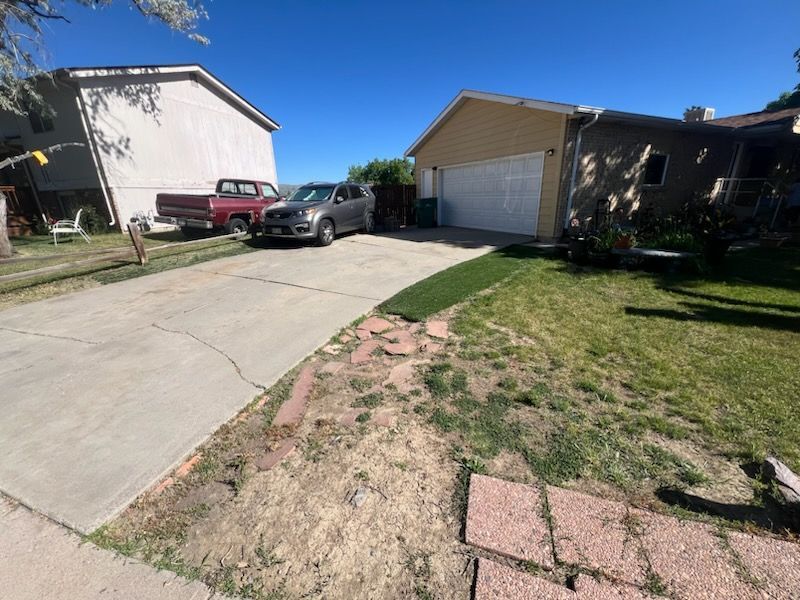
[528, 166]
[146, 129]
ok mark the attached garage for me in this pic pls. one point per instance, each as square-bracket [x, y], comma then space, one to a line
[500, 194]
[495, 162]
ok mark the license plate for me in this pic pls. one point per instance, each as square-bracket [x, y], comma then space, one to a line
[277, 230]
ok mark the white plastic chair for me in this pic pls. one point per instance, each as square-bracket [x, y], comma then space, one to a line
[69, 226]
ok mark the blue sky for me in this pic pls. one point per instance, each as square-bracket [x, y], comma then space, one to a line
[350, 81]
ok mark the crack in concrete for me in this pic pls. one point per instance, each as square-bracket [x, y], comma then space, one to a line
[258, 386]
[297, 285]
[47, 335]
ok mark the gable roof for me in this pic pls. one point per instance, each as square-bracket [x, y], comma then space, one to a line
[763, 117]
[196, 69]
[557, 107]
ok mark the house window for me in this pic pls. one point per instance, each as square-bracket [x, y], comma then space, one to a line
[39, 123]
[655, 170]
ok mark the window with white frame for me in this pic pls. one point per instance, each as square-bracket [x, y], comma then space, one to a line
[655, 169]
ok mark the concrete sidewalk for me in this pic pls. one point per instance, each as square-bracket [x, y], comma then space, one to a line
[40, 560]
[106, 390]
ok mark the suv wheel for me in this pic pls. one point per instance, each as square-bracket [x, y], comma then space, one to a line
[236, 226]
[369, 223]
[325, 233]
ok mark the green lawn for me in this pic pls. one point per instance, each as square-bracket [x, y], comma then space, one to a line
[45, 286]
[713, 358]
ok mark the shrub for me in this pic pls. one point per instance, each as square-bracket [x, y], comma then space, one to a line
[92, 220]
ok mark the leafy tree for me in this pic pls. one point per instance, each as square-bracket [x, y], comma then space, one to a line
[387, 171]
[22, 51]
[22, 48]
[788, 99]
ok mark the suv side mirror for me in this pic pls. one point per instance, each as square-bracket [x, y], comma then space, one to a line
[339, 199]
[281, 198]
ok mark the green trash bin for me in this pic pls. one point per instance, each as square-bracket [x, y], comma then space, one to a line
[426, 212]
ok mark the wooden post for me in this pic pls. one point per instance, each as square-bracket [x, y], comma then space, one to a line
[138, 243]
[5, 244]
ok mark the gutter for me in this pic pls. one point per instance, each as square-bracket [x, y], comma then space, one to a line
[95, 154]
[574, 175]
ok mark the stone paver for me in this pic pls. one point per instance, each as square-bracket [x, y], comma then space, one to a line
[402, 375]
[506, 518]
[497, 582]
[291, 412]
[187, 467]
[437, 329]
[589, 588]
[363, 354]
[348, 419]
[591, 531]
[269, 460]
[376, 325]
[363, 334]
[690, 559]
[332, 367]
[774, 563]
[401, 342]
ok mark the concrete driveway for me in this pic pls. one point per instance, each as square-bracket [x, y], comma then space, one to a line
[105, 391]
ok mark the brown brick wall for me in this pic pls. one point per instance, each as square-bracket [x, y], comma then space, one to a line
[612, 162]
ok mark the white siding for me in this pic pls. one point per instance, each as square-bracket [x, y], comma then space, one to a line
[169, 133]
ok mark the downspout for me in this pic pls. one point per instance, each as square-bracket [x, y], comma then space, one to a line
[93, 151]
[574, 175]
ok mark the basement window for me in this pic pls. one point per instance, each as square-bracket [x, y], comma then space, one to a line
[39, 123]
[655, 169]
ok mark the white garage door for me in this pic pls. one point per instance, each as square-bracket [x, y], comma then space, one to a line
[498, 195]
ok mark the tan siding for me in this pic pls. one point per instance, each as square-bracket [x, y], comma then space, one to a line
[481, 130]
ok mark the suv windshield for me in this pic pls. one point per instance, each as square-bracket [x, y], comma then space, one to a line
[311, 193]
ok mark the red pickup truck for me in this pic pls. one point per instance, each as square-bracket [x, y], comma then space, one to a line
[234, 207]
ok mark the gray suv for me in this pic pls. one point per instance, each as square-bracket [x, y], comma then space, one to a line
[318, 211]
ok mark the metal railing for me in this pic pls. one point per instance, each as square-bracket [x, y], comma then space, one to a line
[742, 191]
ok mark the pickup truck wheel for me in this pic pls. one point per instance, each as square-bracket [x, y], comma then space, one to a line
[236, 226]
[369, 223]
[325, 233]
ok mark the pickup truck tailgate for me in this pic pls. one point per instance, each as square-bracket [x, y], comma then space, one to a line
[183, 205]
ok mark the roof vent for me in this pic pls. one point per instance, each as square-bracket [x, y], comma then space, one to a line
[697, 114]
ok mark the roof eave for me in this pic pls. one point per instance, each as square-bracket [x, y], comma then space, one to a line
[92, 72]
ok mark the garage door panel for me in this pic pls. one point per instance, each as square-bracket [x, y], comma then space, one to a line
[499, 195]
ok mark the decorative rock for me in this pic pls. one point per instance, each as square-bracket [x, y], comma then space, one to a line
[332, 367]
[788, 483]
[401, 348]
[332, 349]
[363, 353]
[345, 337]
[162, 486]
[363, 334]
[437, 329]
[376, 325]
[414, 328]
[359, 497]
[431, 347]
[383, 418]
[269, 460]
[291, 412]
[401, 375]
[186, 467]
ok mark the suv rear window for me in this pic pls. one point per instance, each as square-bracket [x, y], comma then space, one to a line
[356, 191]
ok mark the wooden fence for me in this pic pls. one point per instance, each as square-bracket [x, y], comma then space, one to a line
[136, 250]
[398, 201]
